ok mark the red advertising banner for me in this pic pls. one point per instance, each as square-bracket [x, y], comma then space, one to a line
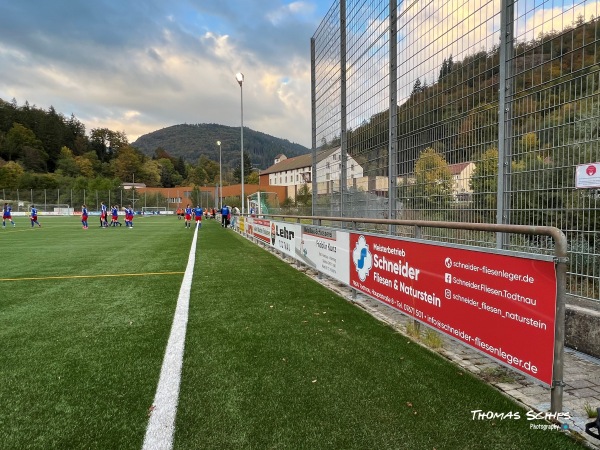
[501, 305]
[260, 229]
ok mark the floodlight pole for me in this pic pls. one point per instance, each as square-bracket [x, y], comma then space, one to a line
[220, 176]
[240, 79]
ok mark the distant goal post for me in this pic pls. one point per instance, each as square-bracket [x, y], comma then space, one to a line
[44, 209]
[155, 210]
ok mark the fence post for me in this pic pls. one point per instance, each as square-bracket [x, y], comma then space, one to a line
[556, 393]
[313, 169]
[416, 323]
[393, 120]
[343, 113]
[504, 120]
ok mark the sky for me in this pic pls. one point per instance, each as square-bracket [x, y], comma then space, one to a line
[136, 66]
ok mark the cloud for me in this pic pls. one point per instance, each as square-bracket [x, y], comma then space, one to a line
[141, 66]
[289, 12]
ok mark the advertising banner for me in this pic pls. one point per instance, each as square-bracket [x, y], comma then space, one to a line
[502, 305]
[326, 250]
[286, 237]
[261, 229]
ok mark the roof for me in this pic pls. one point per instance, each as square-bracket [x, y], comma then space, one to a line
[456, 169]
[298, 162]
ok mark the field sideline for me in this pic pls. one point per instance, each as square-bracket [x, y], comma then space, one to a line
[272, 359]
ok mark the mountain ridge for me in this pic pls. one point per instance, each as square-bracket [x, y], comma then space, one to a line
[190, 141]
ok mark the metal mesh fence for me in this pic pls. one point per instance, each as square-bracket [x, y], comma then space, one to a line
[57, 201]
[474, 111]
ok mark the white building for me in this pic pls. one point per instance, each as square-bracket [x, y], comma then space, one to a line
[461, 180]
[294, 172]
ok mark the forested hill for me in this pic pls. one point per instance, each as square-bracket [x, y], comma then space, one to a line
[192, 141]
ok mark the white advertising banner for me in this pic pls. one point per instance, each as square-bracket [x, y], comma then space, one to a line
[327, 251]
[286, 238]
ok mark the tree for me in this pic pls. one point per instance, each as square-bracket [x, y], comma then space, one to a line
[10, 175]
[417, 87]
[169, 177]
[304, 196]
[85, 166]
[433, 187]
[211, 168]
[484, 183]
[446, 68]
[17, 138]
[252, 178]
[197, 176]
[181, 168]
[128, 162]
[107, 143]
[66, 164]
[150, 173]
[237, 176]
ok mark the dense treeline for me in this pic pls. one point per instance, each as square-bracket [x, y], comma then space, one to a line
[554, 78]
[43, 149]
[553, 125]
[189, 141]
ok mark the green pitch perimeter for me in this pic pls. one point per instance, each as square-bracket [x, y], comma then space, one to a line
[272, 359]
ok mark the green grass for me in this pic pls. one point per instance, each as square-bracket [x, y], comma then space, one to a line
[272, 358]
[275, 360]
[81, 357]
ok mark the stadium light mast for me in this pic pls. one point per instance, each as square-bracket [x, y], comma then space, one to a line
[240, 79]
[220, 177]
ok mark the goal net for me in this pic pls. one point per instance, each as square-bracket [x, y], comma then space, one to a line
[154, 210]
[51, 209]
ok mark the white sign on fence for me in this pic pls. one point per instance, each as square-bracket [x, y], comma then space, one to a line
[587, 175]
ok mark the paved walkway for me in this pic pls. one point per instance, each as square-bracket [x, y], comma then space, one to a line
[581, 372]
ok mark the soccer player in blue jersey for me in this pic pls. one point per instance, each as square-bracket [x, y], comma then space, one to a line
[33, 217]
[198, 212]
[103, 215]
[188, 216]
[6, 214]
[115, 216]
[129, 217]
[224, 216]
[84, 216]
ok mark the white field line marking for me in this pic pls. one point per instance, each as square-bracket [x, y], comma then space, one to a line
[161, 426]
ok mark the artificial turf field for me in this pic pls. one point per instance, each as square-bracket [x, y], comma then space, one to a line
[273, 360]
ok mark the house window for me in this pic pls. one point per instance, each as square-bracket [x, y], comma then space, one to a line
[327, 165]
[327, 177]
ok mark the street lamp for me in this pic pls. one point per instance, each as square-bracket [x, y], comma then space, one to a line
[240, 79]
[220, 176]
[133, 189]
